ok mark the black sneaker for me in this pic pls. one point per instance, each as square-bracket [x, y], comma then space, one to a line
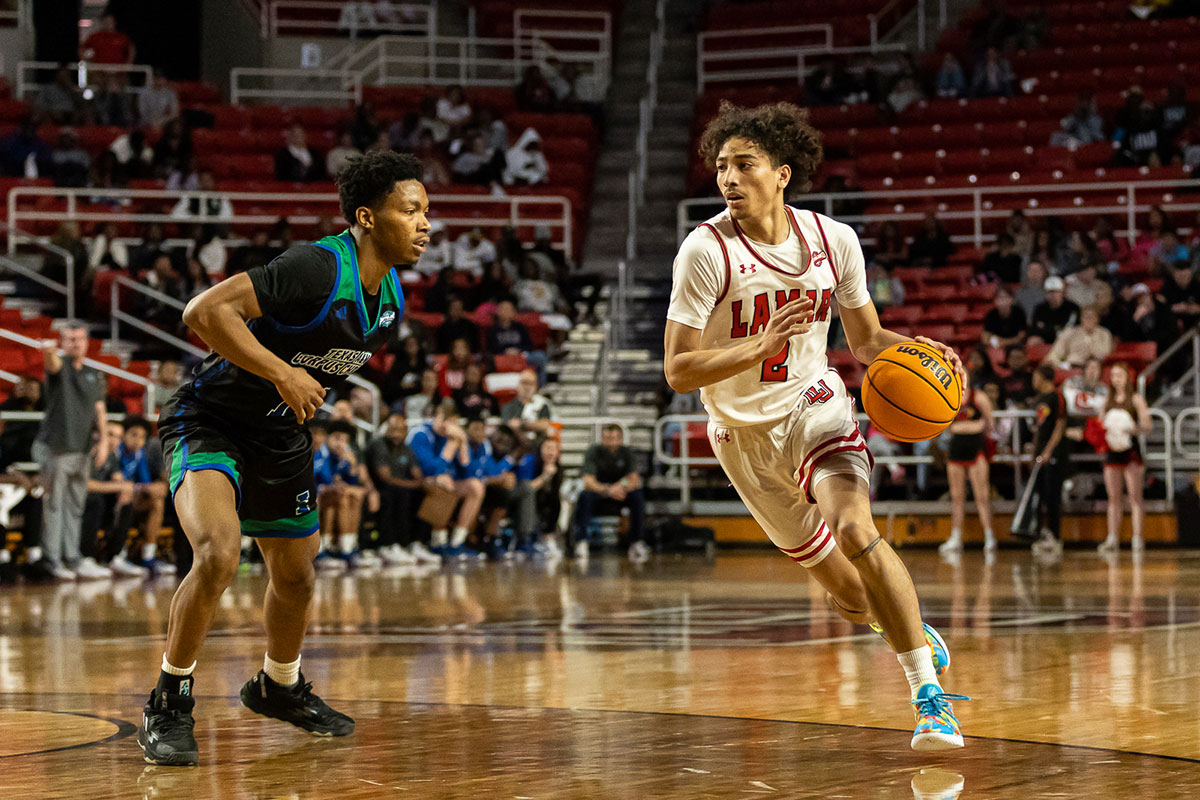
[295, 704]
[166, 733]
[37, 571]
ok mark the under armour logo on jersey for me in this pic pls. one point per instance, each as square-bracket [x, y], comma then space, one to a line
[744, 268]
[818, 393]
[818, 258]
[722, 435]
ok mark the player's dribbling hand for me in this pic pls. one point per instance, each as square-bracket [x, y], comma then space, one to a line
[947, 353]
[790, 319]
[301, 392]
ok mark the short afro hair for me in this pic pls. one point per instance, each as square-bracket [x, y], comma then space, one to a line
[781, 130]
[368, 179]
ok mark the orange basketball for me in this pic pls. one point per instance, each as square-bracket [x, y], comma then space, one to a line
[910, 393]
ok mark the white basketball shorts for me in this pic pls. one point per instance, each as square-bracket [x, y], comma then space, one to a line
[775, 465]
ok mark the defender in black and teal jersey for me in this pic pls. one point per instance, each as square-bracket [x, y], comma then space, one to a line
[237, 449]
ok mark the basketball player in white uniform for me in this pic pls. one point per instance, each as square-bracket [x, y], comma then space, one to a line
[747, 325]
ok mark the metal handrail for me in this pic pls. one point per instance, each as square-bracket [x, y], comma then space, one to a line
[1191, 337]
[646, 108]
[15, 234]
[1017, 458]
[1127, 205]
[150, 386]
[874, 19]
[81, 69]
[563, 223]
[349, 86]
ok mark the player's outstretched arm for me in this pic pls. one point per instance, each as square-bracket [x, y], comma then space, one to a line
[689, 368]
[218, 316]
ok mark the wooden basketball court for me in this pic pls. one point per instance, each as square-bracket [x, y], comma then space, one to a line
[685, 679]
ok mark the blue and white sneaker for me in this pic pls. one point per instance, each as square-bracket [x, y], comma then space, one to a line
[937, 727]
[937, 645]
[328, 561]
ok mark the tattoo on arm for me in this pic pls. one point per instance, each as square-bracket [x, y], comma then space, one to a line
[867, 549]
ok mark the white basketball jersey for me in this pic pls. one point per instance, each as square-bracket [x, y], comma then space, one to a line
[727, 286]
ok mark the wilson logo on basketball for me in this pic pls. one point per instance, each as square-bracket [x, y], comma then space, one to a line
[940, 373]
[818, 393]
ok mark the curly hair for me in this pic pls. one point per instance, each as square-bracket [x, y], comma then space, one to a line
[781, 130]
[367, 180]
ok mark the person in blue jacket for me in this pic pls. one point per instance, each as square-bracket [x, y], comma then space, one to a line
[440, 447]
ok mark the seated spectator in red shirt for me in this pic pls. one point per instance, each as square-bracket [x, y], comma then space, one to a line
[296, 161]
[453, 373]
[108, 45]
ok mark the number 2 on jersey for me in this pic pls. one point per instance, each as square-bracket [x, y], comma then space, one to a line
[775, 368]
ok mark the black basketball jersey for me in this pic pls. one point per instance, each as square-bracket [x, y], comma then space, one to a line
[313, 316]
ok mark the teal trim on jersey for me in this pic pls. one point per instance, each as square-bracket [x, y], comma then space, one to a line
[324, 312]
[349, 283]
[287, 527]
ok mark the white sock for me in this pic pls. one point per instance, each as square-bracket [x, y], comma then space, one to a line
[5, 556]
[149, 551]
[918, 668]
[327, 541]
[171, 669]
[459, 537]
[955, 535]
[348, 542]
[989, 535]
[283, 674]
[438, 537]
[33, 554]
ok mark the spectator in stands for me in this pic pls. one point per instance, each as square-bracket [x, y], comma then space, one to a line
[437, 297]
[951, 82]
[23, 154]
[529, 413]
[437, 172]
[1083, 288]
[1138, 142]
[1002, 263]
[108, 45]
[493, 464]
[1181, 293]
[828, 85]
[111, 104]
[135, 158]
[1140, 317]
[183, 176]
[610, 474]
[1083, 126]
[296, 162]
[74, 408]
[1112, 249]
[1022, 233]
[72, 164]
[885, 290]
[55, 267]
[393, 469]
[168, 378]
[1052, 315]
[439, 446]
[256, 253]
[525, 163]
[453, 372]
[494, 286]
[61, 102]
[453, 110]
[141, 257]
[1157, 223]
[904, 93]
[538, 498]
[17, 436]
[341, 491]
[210, 209]
[197, 277]
[1018, 385]
[365, 129]
[1076, 344]
[427, 398]
[1167, 252]
[404, 376]
[534, 93]
[109, 505]
[340, 155]
[457, 325]
[405, 131]
[1045, 250]
[173, 149]
[534, 293]
[931, 247]
[1175, 114]
[1032, 290]
[158, 103]
[472, 399]
[476, 165]
[1005, 324]
[163, 277]
[550, 260]
[148, 498]
[429, 122]
[472, 252]
[438, 253]
[993, 76]
[495, 132]
[507, 335]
